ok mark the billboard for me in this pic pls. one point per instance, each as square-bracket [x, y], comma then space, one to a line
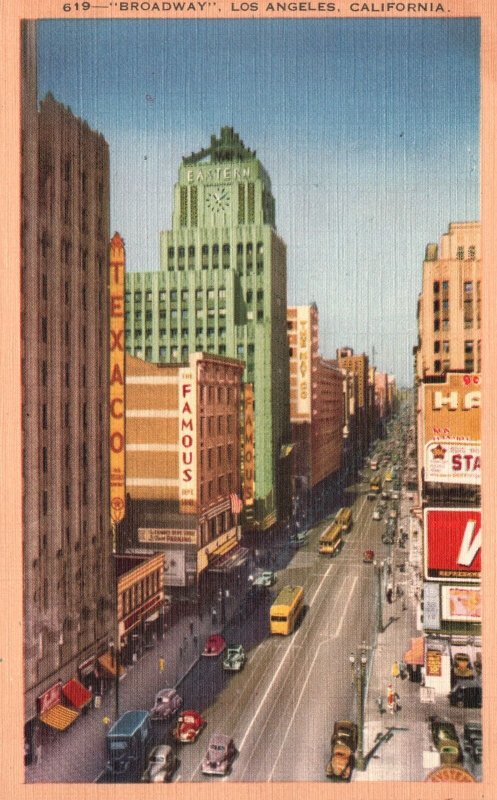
[452, 430]
[461, 603]
[452, 544]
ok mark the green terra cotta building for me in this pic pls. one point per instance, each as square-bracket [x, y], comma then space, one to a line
[221, 288]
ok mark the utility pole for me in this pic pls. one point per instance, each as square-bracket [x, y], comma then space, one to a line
[378, 567]
[358, 665]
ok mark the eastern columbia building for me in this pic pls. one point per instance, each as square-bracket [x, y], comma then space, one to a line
[221, 289]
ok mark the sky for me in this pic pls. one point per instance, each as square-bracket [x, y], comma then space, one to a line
[369, 130]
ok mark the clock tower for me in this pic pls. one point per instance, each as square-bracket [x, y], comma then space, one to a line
[221, 288]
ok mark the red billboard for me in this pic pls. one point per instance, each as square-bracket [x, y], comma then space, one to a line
[452, 544]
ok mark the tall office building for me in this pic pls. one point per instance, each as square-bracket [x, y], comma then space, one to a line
[449, 308]
[67, 571]
[359, 365]
[221, 288]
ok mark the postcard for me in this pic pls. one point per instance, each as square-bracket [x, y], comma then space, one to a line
[248, 337]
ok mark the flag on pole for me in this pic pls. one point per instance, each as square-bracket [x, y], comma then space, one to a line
[236, 503]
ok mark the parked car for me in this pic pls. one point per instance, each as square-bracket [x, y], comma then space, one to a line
[189, 726]
[472, 740]
[266, 578]
[385, 495]
[214, 645]
[393, 513]
[446, 741]
[343, 747]
[167, 703]
[395, 496]
[377, 513]
[299, 539]
[466, 694]
[162, 763]
[368, 556]
[220, 755]
[234, 658]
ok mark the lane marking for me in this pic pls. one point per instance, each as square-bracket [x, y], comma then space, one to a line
[289, 650]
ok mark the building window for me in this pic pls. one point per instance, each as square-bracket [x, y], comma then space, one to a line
[138, 297]
[229, 423]
[436, 306]
[445, 305]
[436, 366]
[138, 314]
[446, 346]
[436, 324]
[260, 316]
[468, 346]
[209, 458]
[44, 502]
[468, 287]
[445, 286]
[250, 295]
[183, 206]
[219, 424]
[436, 346]
[260, 295]
[445, 324]
[162, 352]
[148, 296]
[162, 296]
[241, 204]
[472, 252]
[251, 203]
[170, 252]
[239, 350]
[460, 253]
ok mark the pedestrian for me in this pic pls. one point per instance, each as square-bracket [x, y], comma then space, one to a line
[106, 721]
[195, 641]
[191, 628]
[389, 594]
[390, 698]
[181, 652]
[162, 664]
[396, 702]
[395, 669]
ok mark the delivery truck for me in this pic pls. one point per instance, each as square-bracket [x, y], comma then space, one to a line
[128, 742]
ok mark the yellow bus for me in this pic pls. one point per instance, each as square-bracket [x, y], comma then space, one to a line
[331, 539]
[344, 518]
[388, 475]
[375, 484]
[286, 610]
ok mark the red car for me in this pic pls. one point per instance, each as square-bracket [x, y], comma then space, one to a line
[368, 556]
[188, 727]
[214, 645]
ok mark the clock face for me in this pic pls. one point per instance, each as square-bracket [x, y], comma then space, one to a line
[218, 199]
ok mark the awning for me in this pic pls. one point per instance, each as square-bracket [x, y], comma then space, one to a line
[235, 558]
[108, 662]
[59, 717]
[76, 693]
[416, 654]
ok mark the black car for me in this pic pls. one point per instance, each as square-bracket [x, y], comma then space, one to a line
[472, 740]
[466, 694]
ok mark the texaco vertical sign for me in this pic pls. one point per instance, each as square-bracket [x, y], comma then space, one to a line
[117, 350]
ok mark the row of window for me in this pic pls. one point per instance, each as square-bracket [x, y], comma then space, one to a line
[173, 296]
[215, 250]
[212, 489]
[219, 426]
[172, 355]
[215, 526]
[223, 394]
[220, 456]
[468, 287]
[140, 591]
[471, 253]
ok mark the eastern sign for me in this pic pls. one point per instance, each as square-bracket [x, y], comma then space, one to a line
[117, 384]
[187, 439]
[221, 174]
[452, 544]
[452, 430]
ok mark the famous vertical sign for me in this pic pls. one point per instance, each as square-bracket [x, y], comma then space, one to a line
[117, 350]
[248, 446]
[187, 433]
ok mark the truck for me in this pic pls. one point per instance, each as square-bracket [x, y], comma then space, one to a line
[128, 741]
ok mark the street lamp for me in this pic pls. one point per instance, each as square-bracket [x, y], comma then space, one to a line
[379, 605]
[358, 666]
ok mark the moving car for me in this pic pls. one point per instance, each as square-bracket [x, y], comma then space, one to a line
[220, 755]
[167, 703]
[368, 556]
[189, 726]
[446, 741]
[343, 747]
[378, 512]
[266, 578]
[299, 539]
[214, 645]
[462, 666]
[162, 762]
[234, 658]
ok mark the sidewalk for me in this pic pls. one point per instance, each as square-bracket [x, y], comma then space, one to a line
[78, 754]
[394, 743]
